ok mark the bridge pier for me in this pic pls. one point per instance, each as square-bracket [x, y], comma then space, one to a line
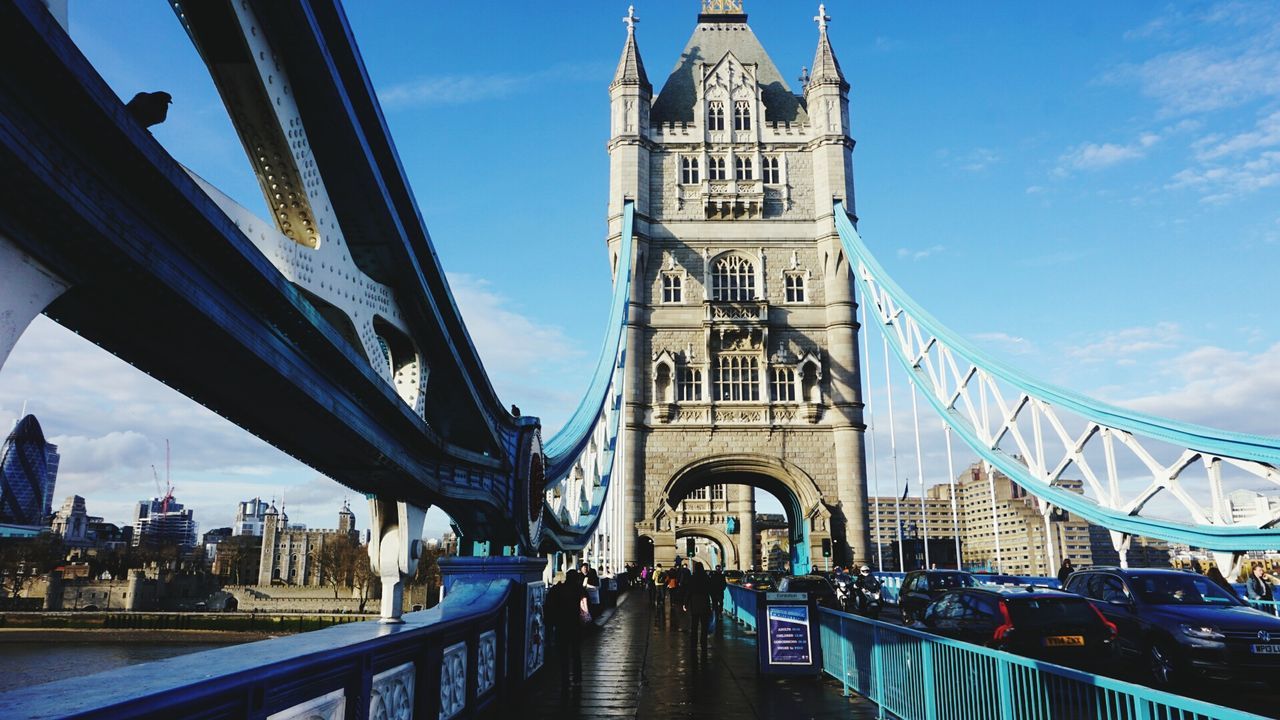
[27, 290]
[395, 545]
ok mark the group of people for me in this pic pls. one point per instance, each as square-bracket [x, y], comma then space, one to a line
[692, 590]
[569, 608]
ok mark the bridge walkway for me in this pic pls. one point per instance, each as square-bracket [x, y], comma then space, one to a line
[638, 665]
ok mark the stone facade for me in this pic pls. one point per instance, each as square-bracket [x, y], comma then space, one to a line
[743, 368]
[290, 556]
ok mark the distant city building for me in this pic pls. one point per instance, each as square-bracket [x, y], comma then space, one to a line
[1252, 508]
[290, 555]
[72, 522]
[1144, 552]
[250, 516]
[1021, 545]
[162, 521]
[450, 542]
[28, 471]
[211, 540]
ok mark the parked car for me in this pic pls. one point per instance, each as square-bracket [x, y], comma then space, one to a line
[759, 581]
[922, 587]
[813, 585]
[1037, 622]
[1181, 626]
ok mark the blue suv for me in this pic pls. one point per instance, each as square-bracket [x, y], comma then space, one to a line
[1181, 625]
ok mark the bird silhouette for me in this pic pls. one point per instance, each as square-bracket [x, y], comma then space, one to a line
[515, 411]
[149, 108]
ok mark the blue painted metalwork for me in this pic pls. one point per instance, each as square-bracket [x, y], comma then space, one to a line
[742, 604]
[262, 678]
[1206, 440]
[915, 675]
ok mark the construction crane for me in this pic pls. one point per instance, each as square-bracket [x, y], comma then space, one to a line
[166, 494]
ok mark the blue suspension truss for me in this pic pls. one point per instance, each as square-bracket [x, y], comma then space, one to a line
[580, 456]
[950, 372]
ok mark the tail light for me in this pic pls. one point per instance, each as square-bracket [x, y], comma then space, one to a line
[1111, 627]
[1004, 630]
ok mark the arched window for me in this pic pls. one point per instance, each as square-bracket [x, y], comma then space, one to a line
[742, 168]
[784, 384]
[769, 170]
[662, 384]
[741, 115]
[795, 287]
[689, 170]
[715, 115]
[737, 378]
[690, 385]
[715, 168]
[672, 288]
[733, 278]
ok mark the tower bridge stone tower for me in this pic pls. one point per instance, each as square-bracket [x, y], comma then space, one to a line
[742, 333]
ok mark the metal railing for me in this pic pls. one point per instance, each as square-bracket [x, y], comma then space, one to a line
[916, 676]
[455, 659]
[740, 603]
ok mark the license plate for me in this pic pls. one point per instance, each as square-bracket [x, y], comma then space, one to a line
[1266, 649]
[1066, 641]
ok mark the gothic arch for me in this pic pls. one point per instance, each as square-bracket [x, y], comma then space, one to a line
[717, 535]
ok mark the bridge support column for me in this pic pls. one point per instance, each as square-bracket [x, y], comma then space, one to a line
[394, 548]
[1229, 563]
[27, 289]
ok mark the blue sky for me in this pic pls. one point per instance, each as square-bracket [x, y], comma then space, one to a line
[1087, 190]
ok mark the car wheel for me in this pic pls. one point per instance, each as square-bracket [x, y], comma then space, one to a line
[1161, 663]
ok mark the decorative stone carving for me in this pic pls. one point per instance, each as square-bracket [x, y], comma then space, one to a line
[486, 662]
[535, 628]
[391, 697]
[453, 682]
[331, 706]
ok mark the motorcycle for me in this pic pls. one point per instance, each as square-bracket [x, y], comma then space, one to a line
[869, 602]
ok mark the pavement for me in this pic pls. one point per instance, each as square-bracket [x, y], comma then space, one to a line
[637, 664]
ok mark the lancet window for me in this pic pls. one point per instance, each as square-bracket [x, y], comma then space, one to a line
[689, 170]
[769, 170]
[741, 115]
[715, 168]
[733, 278]
[737, 378]
[784, 384]
[742, 168]
[715, 115]
[690, 385]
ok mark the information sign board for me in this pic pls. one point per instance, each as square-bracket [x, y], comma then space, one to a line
[788, 635]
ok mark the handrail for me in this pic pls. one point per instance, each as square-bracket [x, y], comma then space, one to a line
[913, 674]
[1252, 453]
[359, 663]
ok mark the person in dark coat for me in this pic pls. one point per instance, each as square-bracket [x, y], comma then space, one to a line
[1259, 587]
[697, 602]
[718, 585]
[1065, 571]
[563, 609]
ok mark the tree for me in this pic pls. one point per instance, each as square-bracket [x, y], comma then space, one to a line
[22, 560]
[427, 578]
[238, 558]
[336, 562]
[364, 579]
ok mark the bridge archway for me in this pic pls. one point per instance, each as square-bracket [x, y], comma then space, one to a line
[728, 548]
[808, 515]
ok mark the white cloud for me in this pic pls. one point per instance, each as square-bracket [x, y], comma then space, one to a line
[1221, 183]
[1004, 342]
[923, 254]
[462, 89]
[1096, 156]
[1121, 346]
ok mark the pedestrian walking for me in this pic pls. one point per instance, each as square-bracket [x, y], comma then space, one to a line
[1259, 587]
[660, 586]
[566, 610]
[718, 586]
[591, 583]
[697, 602]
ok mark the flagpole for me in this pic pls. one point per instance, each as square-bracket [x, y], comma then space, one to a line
[893, 452]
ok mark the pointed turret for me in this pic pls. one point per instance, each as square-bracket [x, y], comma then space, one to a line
[826, 69]
[630, 67]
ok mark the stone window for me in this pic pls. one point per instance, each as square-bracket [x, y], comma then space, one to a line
[733, 278]
[672, 288]
[699, 494]
[717, 492]
[690, 385]
[769, 169]
[795, 287]
[715, 115]
[715, 168]
[741, 115]
[742, 168]
[737, 378]
[784, 384]
[689, 170]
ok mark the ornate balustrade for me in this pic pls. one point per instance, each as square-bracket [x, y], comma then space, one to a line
[485, 639]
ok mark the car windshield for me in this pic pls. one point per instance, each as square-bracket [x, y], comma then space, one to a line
[1047, 612]
[947, 581]
[1180, 589]
[758, 578]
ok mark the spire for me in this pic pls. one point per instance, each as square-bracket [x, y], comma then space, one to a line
[825, 67]
[630, 68]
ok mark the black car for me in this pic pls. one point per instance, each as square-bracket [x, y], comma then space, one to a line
[1181, 625]
[734, 577]
[922, 587]
[815, 585]
[759, 581]
[1036, 622]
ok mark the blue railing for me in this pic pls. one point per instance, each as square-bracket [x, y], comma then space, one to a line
[917, 676]
[740, 603]
[459, 657]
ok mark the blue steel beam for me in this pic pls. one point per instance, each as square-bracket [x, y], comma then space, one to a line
[1207, 441]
